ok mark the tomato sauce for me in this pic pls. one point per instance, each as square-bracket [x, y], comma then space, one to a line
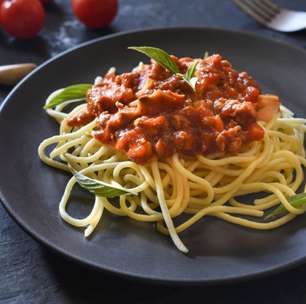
[150, 112]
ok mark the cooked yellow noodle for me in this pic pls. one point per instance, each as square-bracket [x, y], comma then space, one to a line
[199, 187]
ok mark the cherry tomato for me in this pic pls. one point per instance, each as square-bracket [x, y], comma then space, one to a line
[22, 18]
[95, 13]
[0, 9]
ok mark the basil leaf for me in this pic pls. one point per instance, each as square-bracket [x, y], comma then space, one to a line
[77, 91]
[97, 187]
[164, 59]
[297, 201]
[192, 82]
[189, 76]
[190, 72]
[159, 55]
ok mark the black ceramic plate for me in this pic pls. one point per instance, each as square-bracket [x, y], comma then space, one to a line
[219, 251]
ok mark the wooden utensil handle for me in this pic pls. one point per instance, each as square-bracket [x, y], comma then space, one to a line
[11, 74]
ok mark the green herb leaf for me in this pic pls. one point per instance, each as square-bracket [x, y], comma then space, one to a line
[164, 59]
[192, 82]
[297, 201]
[97, 187]
[189, 76]
[159, 55]
[206, 54]
[77, 91]
[191, 70]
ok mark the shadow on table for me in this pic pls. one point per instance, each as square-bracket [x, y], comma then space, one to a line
[38, 44]
[79, 284]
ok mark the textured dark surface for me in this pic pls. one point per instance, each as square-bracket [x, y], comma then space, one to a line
[31, 274]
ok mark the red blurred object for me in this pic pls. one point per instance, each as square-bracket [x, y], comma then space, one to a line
[22, 18]
[95, 13]
[0, 9]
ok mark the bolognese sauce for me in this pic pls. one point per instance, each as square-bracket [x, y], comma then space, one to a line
[151, 112]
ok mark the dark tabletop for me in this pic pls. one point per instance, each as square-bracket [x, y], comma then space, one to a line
[30, 273]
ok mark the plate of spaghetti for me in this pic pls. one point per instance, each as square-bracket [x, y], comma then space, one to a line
[171, 154]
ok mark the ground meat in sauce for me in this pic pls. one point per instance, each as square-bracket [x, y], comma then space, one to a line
[151, 112]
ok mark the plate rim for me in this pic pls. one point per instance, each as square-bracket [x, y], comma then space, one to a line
[126, 274]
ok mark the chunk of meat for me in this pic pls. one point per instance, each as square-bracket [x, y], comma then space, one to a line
[160, 101]
[255, 132]
[151, 126]
[81, 119]
[215, 122]
[154, 122]
[230, 140]
[104, 97]
[141, 152]
[243, 112]
[251, 93]
[164, 148]
[267, 107]
[184, 140]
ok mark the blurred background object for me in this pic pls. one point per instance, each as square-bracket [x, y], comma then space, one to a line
[24, 19]
[273, 16]
[95, 13]
[11, 74]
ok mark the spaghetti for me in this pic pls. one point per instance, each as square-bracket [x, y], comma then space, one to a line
[162, 189]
